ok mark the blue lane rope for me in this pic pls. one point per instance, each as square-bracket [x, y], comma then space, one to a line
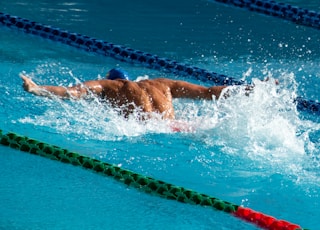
[130, 55]
[285, 11]
[116, 51]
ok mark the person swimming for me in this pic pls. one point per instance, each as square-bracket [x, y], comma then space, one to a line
[149, 96]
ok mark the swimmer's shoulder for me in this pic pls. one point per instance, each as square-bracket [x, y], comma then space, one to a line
[158, 83]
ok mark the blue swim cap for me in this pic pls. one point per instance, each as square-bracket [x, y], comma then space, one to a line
[117, 73]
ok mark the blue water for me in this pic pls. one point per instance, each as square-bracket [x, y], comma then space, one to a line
[258, 151]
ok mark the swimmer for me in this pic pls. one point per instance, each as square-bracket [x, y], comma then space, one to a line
[150, 96]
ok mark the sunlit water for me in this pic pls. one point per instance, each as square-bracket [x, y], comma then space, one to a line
[255, 150]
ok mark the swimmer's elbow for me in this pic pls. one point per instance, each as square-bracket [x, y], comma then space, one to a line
[76, 92]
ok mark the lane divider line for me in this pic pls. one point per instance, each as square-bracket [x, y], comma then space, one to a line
[281, 10]
[143, 183]
[126, 54]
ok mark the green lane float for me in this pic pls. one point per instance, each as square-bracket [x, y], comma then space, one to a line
[141, 182]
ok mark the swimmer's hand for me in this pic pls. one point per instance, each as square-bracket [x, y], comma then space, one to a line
[28, 84]
[250, 88]
[31, 87]
[276, 81]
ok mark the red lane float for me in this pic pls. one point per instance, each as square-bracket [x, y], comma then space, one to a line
[264, 221]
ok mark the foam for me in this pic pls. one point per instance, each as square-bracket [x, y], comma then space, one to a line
[264, 126]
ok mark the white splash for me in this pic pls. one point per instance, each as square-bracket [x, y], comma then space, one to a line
[263, 126]
[93, 120]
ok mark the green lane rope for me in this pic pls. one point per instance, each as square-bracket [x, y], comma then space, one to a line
[141, 182]
[147, 184]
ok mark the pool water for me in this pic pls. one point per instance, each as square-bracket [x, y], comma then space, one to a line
[256, 151]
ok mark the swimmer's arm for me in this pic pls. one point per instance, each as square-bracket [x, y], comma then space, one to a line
[75, 92]
[182, 89]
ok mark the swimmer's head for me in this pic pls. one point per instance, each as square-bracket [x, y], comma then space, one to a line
[117, 73]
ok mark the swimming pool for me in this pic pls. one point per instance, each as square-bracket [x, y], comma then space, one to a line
[257, 151]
